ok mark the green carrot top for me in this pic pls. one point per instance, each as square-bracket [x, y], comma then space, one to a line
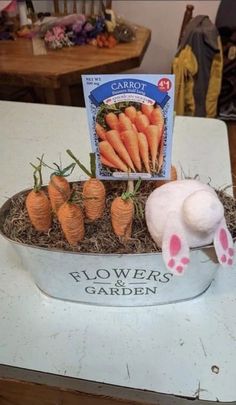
[92, 172]
[37, 174]
[131, 191]
[58, 170]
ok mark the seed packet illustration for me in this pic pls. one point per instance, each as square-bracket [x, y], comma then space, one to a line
[130, 121]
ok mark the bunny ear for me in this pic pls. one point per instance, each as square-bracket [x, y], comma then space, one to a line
[175, 249]
[224, 245]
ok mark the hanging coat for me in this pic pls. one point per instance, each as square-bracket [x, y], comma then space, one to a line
[198, 69]
[226, 24]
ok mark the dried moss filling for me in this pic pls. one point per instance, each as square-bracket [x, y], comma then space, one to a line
[99, 236]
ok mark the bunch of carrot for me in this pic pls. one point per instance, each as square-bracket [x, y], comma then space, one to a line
[94, 192]
[133, 139]
[60, 201]
[70, 215]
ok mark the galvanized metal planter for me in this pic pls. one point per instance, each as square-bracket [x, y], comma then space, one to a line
[114, 279]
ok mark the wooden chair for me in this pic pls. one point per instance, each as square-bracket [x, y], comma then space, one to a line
[188, 15]
[85, 7]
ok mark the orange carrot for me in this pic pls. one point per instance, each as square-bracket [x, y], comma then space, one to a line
[112, 120]
[108, 152]
[144, 150]
[113, 138]
[153, 135]
[100, 131]
[134, 128]
[58, 191]
[131, 112]
[59, 187]
[125, 122]
[37, 203]
[147, 109]
[94, 192]
[122, 211]
[161, 153]
[39, 210]
[106, 162]
[141, 122]
[157, 118]
[71, 220]
[173, 177]
[173, 173]
[130, 140]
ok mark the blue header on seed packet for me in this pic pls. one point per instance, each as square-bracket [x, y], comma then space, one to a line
[130, 118]
[128, 86]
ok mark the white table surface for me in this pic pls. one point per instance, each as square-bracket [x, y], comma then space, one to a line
[166, 349]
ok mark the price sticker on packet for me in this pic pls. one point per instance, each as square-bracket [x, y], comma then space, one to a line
[130, 121]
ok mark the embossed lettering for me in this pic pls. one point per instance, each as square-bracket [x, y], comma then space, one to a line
[103, 273]
[154, 274]
[121, 272]
[75, 275]
[139, 274]
[87, 276]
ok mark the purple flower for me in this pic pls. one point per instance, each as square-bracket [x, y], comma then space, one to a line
[77, 27]
[88, 27]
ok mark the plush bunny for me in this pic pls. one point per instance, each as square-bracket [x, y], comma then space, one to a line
[185, 214]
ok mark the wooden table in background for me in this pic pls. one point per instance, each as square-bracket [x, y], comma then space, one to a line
[55, 72]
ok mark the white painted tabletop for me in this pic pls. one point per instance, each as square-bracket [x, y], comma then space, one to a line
[166, 349]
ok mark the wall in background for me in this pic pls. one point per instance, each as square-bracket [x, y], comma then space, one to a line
[164, 18]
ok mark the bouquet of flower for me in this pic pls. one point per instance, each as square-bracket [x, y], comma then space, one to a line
[72, 30]
[78, 29]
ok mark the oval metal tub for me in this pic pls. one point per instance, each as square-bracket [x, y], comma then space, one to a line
[112, 279]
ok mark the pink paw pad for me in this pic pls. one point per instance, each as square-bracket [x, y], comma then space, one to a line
[178, 259]
[228, 252]
[231, 251]
[223, 239]
[175, 245]
[185, 260]
[171, 263]
[179, 269]
[223, 258]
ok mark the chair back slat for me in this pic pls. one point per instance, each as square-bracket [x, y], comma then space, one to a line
[88, 7]
[56, 7]
[74, 6]
[83, 6]
[65, 8]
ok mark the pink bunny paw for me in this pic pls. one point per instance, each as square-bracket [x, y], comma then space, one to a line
[178, 255]
[225, 250]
